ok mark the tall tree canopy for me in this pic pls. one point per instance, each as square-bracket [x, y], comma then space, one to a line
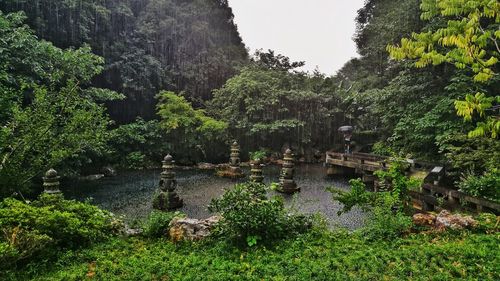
[269, 105]
[148, 45]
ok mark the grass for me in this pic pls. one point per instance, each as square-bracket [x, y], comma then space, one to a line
[318, 255]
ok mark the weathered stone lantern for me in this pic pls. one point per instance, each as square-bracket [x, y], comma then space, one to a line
[51, 182]
[166, 198]
[256, 170]
[287, 183]
[234, 161]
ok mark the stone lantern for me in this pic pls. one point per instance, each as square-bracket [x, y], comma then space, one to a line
[51, 182]
[256, 170]
[166, 198]
[287, 184]
[234, 163]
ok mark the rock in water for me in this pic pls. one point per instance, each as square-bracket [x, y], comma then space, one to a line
[206, 166]
[191, 229]
[109, 171]
[92, 177]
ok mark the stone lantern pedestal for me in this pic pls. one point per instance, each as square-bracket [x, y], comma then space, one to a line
[256, 170]
[234, 170]
[287, 184]
[166, 198]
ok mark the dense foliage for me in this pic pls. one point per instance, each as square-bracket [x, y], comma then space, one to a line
[268, 105]
[48, 114]
[486, 185]
[249, 216]
[193, 135]
[157, 224]
[311, 256]
[470, 40]
[48, 225]
[137, 145]
[442, 58]
[148, 45]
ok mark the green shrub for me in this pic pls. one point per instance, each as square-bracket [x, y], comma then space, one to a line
[387, 220]
[137, 145]
[381, 148]
[18, 244]
[257, 155]
[50, 223]
[358, 196]
[395, 180]
[157, 224]
[135, 160]
[487, 186]
[249, 216]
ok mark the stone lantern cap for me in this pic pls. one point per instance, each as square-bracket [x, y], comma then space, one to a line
[168, 163]
[51, 174]
[51, 182]
[168, 158]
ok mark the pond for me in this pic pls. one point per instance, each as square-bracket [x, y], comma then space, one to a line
[130, 193]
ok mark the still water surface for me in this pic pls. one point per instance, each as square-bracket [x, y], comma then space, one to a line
[130, 193]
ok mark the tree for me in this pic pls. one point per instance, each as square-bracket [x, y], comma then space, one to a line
[148, 45]
[48, 112]
[269, 106]
[469, 40]
[190, 130]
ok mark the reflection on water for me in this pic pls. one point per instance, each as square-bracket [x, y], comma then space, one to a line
[130, 193]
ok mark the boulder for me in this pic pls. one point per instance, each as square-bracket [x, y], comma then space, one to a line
[206, 166]
[446, 220]
[422, 219]
[92, 177]
[109, 171]
[129, 232]
[182, 229]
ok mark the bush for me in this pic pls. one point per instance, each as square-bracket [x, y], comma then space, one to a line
[157, 224]
[135, 160]
[257, 155]
[395, 180]
[386, 220]
[381, 148]
[487, 186]
[249, 216]
[50, 223]
[137, 145]
[358, 196]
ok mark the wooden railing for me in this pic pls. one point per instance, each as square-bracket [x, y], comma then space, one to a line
[433, 197]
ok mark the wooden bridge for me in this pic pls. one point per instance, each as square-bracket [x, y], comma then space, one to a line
[432, 196]
[358, 161]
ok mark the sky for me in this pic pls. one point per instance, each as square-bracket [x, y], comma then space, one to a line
[318, 32]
